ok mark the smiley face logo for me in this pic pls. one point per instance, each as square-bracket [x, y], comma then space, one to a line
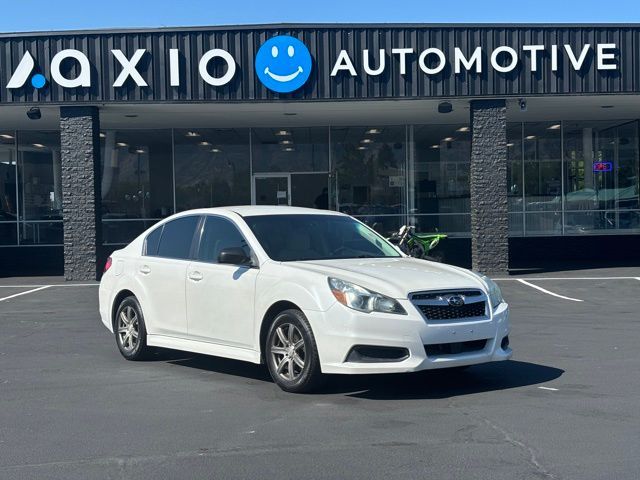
[283, 64]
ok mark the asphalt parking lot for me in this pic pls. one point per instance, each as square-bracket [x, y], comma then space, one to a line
[565, 407]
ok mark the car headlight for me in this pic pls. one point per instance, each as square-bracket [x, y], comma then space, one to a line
[359, 298]
[495, 294]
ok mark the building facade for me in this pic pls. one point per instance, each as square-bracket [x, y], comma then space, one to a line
[521, 142]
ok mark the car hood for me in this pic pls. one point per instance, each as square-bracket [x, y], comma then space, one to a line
[394, 277]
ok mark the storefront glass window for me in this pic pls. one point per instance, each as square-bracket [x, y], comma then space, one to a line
[601, 177]
[290, 149]
[212, 168]
[137, 182]
[439, 178]
[515, 179]
[369, 179]
[8, 189]
[39, 188]
[542, 157]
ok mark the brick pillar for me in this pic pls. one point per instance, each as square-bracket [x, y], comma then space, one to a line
[489, 208]
[81, 199]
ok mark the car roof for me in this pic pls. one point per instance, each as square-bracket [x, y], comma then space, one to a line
[253, 210]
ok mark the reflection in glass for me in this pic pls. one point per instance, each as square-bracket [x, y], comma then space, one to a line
[212, 168]
[601, 176]
[439, 169]
[370, 174]
[137, 181]
[8, 190]
[290, 149]
[515, 179]
[39, 187]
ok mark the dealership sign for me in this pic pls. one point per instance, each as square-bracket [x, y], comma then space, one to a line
[283, 64]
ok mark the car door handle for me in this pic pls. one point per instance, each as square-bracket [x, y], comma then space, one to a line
[145, 270]
[195, 276]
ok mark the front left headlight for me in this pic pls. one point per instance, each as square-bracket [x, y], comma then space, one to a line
[361, 299]
[495, 294]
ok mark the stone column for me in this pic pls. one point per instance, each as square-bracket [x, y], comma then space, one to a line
[81, 200]
[488, 171]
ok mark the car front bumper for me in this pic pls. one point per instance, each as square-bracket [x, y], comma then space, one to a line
[339, 329]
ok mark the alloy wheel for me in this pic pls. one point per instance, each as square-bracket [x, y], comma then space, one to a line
[128, 328]
[288, 352]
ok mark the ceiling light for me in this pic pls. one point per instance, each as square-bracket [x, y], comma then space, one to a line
[289, 149]
[139, 150]
[192, 134]
[448, 139]
[102, 135]
[285, 142]
[204, 144]
[530, 137]
[509, 144]
[361, 148]
[282, 133]
[366, 140]
[38, 145]
[121, 144]
[373, 131]
[435, 146]
[463, 129]
[8, 137]
[554, 127]
[215, 150]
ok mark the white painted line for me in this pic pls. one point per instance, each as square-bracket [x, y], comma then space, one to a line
[548, 388]
[548, 292]
[23, 293]
[53, 285]
[516, 279]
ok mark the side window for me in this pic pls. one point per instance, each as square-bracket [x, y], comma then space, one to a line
[219, 233]
[177, 236]
[152, 241]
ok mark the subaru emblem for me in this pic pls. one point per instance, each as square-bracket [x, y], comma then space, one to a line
[456, 300]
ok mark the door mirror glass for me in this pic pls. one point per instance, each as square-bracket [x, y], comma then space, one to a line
[233, 256]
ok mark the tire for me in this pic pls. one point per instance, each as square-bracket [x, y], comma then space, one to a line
[130, 346]
[290, 344]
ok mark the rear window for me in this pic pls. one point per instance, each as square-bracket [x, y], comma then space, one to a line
[177, 237]
[152, 241]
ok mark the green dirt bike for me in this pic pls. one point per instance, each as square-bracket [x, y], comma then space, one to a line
[418, 245]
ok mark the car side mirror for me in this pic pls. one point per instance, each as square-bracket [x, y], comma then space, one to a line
[233, 256]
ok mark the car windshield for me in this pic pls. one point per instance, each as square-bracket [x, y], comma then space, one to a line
[288, 238]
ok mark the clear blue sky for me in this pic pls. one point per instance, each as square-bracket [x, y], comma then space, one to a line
[29, 15]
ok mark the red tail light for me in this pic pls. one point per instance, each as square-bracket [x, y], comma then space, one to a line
[107, 265]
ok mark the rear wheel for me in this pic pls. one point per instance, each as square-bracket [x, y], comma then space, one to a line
[291, 353]
[130, 330]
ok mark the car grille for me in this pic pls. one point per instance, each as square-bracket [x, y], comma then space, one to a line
[447, 312]
[434, 305]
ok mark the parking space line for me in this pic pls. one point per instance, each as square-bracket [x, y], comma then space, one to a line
[516, 279]
[55, 285]
[24, 293]
[524, 282]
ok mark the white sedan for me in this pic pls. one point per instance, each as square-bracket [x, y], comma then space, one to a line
[305, 291]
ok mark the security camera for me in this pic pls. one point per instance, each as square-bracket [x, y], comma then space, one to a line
[445, 107]
[523, 105]
[34, 113]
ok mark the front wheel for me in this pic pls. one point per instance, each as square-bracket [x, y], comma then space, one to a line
[291, 353]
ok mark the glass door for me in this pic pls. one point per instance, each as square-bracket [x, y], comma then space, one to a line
[272, 189]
